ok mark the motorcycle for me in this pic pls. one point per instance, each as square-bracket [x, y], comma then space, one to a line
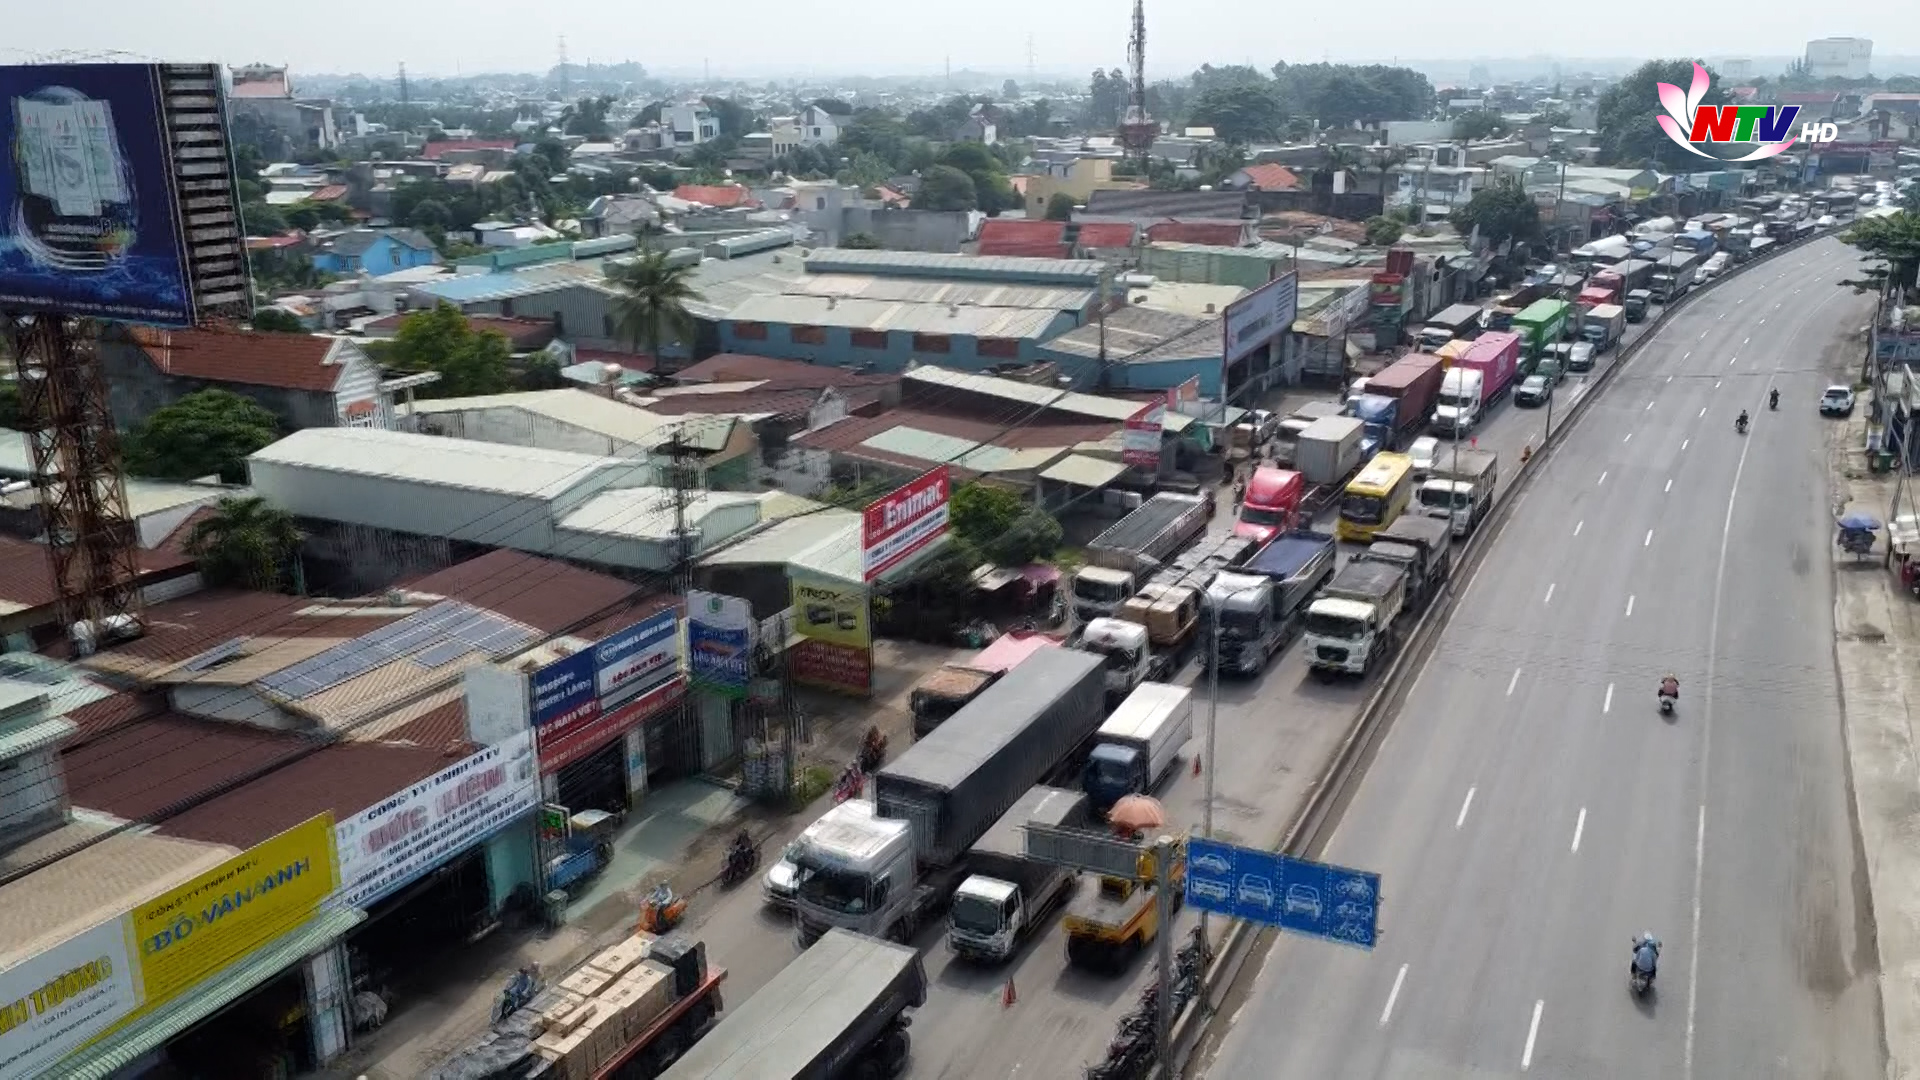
[521, 989]
[873, 750]
[1856, 541]
[853, 781]
[1639, 980]
[1773, 401]
[1740, 425]
[1666, 704]
[741, 858]
[662, 910]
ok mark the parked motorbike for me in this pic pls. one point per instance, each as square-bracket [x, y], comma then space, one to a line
[741, 858]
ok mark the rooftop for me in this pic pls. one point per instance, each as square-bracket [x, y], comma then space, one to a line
[968, 320]
[1031, 239]
[523, 333]
[433, 151]
[1093, 407]
[429, 459]
[247, 357]
[355, 242]
[720, 196]
[1108, 234]
[1195, 299]
[1271, 176]
[1133, 330]
[774, 374]
[927, 290]
[1218, 233]
[622, 424]
[648, 513]
[507, 284]
[956, 267]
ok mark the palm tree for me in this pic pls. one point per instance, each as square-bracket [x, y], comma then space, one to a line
[1340, 159]
[651, 309]
[246, 541]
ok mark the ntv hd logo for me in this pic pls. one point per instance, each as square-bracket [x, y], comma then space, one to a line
[1688, 122]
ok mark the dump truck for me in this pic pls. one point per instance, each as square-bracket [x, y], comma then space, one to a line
[1120, 558]
[886, 872]
[629, 1011]
[1196, 566]
[1410, 385]
[1458, 322]
[1261, 605]
[1352, 624]
[947, 688]
[1006, 896]
[837, 1012]
[1137, 746]
[1418, 546]
[1461, 488]
[1110, 925]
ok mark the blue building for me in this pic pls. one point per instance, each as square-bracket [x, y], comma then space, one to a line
[376, 251]
[1145, 349]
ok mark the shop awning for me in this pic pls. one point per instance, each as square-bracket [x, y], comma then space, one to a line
[1084, 471]
[156, 1029]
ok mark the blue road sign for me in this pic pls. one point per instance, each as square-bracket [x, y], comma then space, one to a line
[1304, 897]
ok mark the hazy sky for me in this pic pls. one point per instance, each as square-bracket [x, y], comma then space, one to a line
[755, 37]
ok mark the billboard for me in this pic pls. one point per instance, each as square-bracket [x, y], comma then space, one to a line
[1140, 440]
[832, 667]
[831, 611]
[904, 522]
[391, 843]
[719, 637]
[56, 1002]
[104, 162]
[192, 933]
[635, 660]
[563, 744]
[1260, 316]
[566, 691]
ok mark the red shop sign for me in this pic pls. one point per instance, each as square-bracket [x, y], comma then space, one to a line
[564, 742]
[846, 668]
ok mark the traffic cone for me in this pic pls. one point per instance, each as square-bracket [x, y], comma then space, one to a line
[1007, 994]
[1196, 765]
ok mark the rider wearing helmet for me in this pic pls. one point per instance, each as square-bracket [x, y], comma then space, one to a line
[1670, 686]
[1646, 955]
[1773, 398]
[1742, 422]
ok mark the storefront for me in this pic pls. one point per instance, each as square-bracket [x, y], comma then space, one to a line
[603, 716]
[1256, 351]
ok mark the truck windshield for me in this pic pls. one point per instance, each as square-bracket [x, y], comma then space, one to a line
[1260, 515]
[1338, 627]
[1108, 772]
[930, 706]
[1119, 657]
[1362, 509]
[1101, 592]
[1239, 623]
[1443, 499]
[1454, 400]
[832, 888]
[976, 914]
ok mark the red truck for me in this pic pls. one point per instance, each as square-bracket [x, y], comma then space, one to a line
[1412, 381]
[1595, 295]
[1496, 356]
[1271, 502]
[1606, 287]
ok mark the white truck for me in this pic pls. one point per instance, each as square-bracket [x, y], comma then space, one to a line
[1459, 406]
[1461, 488]
[1261, 605]
[1122, 557]
[1127, 652]
[1603, 326]
[1138, 745]
[1351, 626]
[1007, 895]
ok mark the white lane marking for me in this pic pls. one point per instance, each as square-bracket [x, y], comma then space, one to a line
[1603, 476]
[1703, 411]
[1670, 378]
[1648, 542]
[1393, 995]
[1723, 318]
[1763, 320]
[1579, 826]
[1629, 437]
[1749, 339]
[1649, 406]
[1731, 360]
[1464, 807]
[1533, 1032]
[1578, 525]
[1684, 442]
[1629, 613]
[1716, 384]
[1703, 337]
[1549, 598]
[1668, 488]
[1513, 682]
[1699, 862]
[1607, 705]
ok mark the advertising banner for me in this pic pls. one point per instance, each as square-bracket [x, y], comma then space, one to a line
[88, 220]
[1897, 348]
[565, 743]
[637, 659]
[719, 636]
[201, 928]
[1260, 316]
[903, 522]
[565, 691]
[832, 611]
[56, 1002]
[841, 668]
[389, 844]
[1140, 440]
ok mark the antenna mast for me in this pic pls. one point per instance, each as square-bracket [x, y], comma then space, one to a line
[1137, 129]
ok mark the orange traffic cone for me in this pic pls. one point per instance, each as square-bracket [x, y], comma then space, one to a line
[1007, 994]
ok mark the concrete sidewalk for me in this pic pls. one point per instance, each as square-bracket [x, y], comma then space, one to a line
[676, 834]
[1877, 648]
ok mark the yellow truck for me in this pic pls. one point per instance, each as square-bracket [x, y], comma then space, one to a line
[1107, 927]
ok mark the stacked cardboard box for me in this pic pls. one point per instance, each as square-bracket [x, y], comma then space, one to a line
[614, 999]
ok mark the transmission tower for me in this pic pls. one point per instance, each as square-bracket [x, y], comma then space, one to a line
[1137, 129]
[404, 98]
[1029, 61]
[565, 82]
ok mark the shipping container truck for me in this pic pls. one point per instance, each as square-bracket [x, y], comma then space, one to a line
[1328, 452]
[1410, 383]
[1260, 604]
[1461, 488]
[1418, 546]
[1674, 276]
[1496, 356]
[1459, 407]
[839, 1011]
[1632, 274]
[1137, 746]
[1699, 241]
[1353, 624]
[1270, 504]
[886, 872]
[1459, 321]
[1605, 250]
[1120, 558]
[1594, 296]
[1006, 895]
[1542, 324]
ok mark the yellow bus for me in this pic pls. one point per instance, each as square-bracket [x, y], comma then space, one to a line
[1376, 497]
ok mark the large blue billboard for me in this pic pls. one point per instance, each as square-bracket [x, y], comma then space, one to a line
[1316, 899]
[564, 690]
[88, 219]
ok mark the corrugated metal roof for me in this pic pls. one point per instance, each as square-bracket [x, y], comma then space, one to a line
[1129, 330]
[1084, 471]
[936, 291]
[1186, 297]
[924, 264]
[964, 320]
[1105, 408]
[647, 513]
[781, 542]
[481, 288]
[430, 459]
[575, 407]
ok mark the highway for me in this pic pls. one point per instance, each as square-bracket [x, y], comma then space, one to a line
[1530, 811]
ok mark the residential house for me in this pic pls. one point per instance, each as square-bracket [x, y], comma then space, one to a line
[1077, 178]
[265, 93]
[978, 127]
[689, 123]
[1265, 177]
[303, 380]
[818, 127]
[376, 252]
[618, 215]
[717, 196]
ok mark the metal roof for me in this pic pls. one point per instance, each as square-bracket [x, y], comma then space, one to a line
[576, 408]
[960, 319]
[647, 512]
[787, 540]
[1129, 330]
[506, 284]
[1092, 405]
[1084, 471]
[1195, 299]
[1006, 269]
[431, 459]
[936, 291]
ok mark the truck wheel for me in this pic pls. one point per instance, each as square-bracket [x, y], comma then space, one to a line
[894, 1050]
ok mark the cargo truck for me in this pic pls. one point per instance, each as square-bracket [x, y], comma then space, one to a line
[1496, 356]
[1630, 274]
[1328, 455]
[1457, 321]
[946, 689]
[1137, 746]
[1461, 488]
[1603, 327]
[1674, 276]
[837, 1012]
[1410, 384]
[1593, 296]
[886, 872]
[1006, 896]
[1352, 624]
[1108, 926]
[1196, 566]
[1418, 547]
[1636, 306]
[1120, 558]
[1457, 409]
[1271, 503]
[1260, 606]
[1543, 323]
[629, 1011]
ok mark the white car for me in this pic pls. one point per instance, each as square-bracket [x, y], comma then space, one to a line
[1423, 451]
[1825, 221]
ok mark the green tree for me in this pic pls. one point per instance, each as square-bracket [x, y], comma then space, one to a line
[993, 192]
[246, 542]
[1383, 231]
[1478, 124]
[1059, 206]
[203, 434]
[1340, 159]
[1502, 212]
[262, 219]
[1032, 536]
[729, 116]
[470, 363]
[944, 187]
[542, 372]
[277, 321]
[980, 512]
[651, 310]
[1894, 239]
[587, 117]
[861, 242]
[1240, 112]
[1628, 131]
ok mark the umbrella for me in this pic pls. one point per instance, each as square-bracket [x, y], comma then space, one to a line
[1859, 522]
[1137, 813]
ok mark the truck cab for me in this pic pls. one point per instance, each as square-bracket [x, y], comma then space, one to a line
[1456, 409]
[1351, 626]
[1138, 745]
[1636, 305]
[1125, 648]
[1006, 895]
[1099, 591]
[1270, 503]
[856, 871]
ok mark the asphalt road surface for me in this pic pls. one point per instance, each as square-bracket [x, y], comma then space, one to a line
[1530, 810]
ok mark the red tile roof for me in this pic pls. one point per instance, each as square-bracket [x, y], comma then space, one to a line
[523, 333]
[891, 197]
[330, 193]
[275, 243]
[716, 195]
[547, 595]
[1221, 234]
[781, 374]
[1107, 234]
[246, 357]
[1028, 239]
[26, 573]
[1271, 177]
[433, 150]
[342, 779]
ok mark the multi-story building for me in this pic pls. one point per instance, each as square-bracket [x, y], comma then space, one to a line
[1839, 58]
[265, 93]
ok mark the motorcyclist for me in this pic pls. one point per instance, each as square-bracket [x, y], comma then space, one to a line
[1773, 398]
[1741, 423]
[1670, 687]
[1646, 956]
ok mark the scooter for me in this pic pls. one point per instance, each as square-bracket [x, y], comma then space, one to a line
[520, 990]
[662, 910]
[1740, 425]
[1666, 705]
[1638, 980]
[742, 856]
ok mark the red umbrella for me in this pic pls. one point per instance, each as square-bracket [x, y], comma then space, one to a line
[1136, 814]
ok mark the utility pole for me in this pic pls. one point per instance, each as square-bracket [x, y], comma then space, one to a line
[1030, 68]
[1163, 901]
[565, 76]
[682, 480]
